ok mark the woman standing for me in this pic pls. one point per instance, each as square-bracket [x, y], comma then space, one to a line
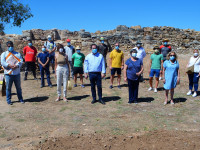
[194, 77]
[62, 71]
[171, 75]
[132, 72]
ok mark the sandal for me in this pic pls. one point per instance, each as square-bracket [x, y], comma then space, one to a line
[58, 99]
[65, 100]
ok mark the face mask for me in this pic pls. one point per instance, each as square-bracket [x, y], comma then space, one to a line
[78, 51]
[94, 51]
[49, 39]
[61, 50]
[30, 44]
[68, 43]
[165, 43]
[138, 45]
[156, 51]
[43, 49]
[172, 57]
[116, 47]
[10, 49]
[134, 54]
[102, 42]
[196, 54]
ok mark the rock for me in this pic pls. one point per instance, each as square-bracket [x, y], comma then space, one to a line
[136, 27]
[122, 28]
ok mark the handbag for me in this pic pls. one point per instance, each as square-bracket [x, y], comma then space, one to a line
[69, 85]
[190, 70]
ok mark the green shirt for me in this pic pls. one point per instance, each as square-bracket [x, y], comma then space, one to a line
[156, 61]
[78, 59]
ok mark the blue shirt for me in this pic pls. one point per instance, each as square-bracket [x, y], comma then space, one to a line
[94, 63]
[43, 58]
[133, 68]
[5, 64]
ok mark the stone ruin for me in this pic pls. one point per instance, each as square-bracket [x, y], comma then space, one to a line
[181, 40]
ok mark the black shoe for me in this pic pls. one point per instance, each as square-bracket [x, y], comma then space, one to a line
[25, 79]
[102, 102]
[10, 103]
[94, 101]
[111, 87]
[50, 86]
[22, 102]
[119, 87]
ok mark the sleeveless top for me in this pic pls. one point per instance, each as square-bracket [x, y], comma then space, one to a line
[61, 59]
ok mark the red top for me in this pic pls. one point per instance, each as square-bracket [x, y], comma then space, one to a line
[165, 46]
[30, 54]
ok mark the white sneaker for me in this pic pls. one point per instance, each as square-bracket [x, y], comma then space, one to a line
[195, 94]
[155, 90]
[160, 78]
[189, 93]
[150, 89]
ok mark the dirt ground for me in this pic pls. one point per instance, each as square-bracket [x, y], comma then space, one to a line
[42, 123]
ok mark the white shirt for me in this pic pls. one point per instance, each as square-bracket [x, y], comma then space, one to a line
[196, 65]
[69, 52]
[140, 53]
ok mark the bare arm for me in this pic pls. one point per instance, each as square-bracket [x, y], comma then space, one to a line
[125, 74]
[110, 63]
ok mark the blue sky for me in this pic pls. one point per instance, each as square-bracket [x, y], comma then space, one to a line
[102, 15]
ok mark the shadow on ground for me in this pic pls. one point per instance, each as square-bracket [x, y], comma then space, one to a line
[78, 98]
[37, 99]
[111, 98]
[145, 99]
[180, 100]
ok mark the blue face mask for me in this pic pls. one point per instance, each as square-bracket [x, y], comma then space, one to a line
[49, 39]
[138, 45]
[134, 54]
[43, 49]
[165, 43]
[102, 42]
[116, 47]
[10, 49]
[68, 43]
[172, 58]
[78, 51]
[30, 44]
[94, 51]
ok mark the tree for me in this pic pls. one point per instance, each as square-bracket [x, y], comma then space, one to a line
[13, 12]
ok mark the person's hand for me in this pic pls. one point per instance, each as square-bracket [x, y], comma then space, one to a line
[122, 67]
[110, 68]
[178, 80]
[86, 76]
[138, 73]
[103, 75]
[125, 79]
[164, 81]
[14, 67]
[10, 66]
[55, 75]
[149, 71]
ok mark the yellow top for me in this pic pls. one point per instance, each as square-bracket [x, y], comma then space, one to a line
[116, 57]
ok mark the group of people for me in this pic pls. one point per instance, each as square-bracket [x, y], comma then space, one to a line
[66, 61]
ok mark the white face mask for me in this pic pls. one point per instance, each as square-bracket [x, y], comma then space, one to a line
[196, 54]
[61, 50]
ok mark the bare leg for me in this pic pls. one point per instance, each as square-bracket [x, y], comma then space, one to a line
[118, 79]
[151, 81]
[75, 78]
[172, 95]
[111, 79]
[81, 78]
[157, 81]
[166, 95]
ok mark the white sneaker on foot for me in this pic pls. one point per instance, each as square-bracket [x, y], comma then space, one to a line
[189, 93]
[195, 94]
[160, 78]
[155, 90]
[165, 103]
[150, 89]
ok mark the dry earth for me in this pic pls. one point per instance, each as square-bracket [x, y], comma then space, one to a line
[42, 123]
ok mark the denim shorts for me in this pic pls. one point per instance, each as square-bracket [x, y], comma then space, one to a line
[155, 72]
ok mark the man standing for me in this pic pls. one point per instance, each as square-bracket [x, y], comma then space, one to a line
[140, 54]
[69, 50]
[94, 66]
[116, 64]
[30, 58]
[51, 47]
[165, 49]
[12, 62]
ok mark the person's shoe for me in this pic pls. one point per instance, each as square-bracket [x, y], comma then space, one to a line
[65, 100]
[195, 94]
[150, 89]
[171, 102]
[136, 102]
[93, 101]
[53, 71]
[57, 99]
[41, 86]
[25, 78]
[50, 86]
[160, 78]
[82, 86]
[10, 103]
[35, 78]
[155, 90]
[189, 93]
[22, 102]
[129, 102]
[111, 87]
[119, 87]
[165, 103]
[102, 102]
[75, 85]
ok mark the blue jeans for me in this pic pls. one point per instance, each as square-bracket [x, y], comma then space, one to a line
[46, 69]
[193, 81]
[95, 79]
[9, 81]
[133, 86]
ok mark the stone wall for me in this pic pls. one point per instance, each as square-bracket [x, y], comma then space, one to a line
[181, 40]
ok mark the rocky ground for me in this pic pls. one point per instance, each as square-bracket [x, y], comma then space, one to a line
[42, 123]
